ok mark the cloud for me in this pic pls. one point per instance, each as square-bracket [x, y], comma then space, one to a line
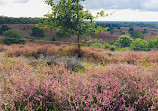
[122, 4]
[20, 1]
[130, 15]
[2, 2]
[150, 5]
[32, 8]
[5, 2]
[124, 10]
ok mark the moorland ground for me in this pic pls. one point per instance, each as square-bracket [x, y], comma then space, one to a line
[51, 77]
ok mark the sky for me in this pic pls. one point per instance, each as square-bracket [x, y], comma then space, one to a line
[118, 10]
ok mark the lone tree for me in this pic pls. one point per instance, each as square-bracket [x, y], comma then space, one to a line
[124, 41]
[69, 18]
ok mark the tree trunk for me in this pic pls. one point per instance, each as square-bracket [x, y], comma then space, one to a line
[78, 35]
[79, 45]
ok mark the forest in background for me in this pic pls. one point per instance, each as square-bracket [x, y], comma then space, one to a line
[110, 24]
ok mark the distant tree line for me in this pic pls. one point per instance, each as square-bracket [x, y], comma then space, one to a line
[124, 24]
[20, 20]
[36, 20]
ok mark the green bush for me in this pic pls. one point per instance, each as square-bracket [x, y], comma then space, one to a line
[98, 45]
[145, 31]
[4, 28]
[153, 43]
[139, 45]
[37, 32]
[53, 38]
[13, 37]
[122, 32]
[112, 48]
[60, 33]
[135, 34]
[124, 41]
[106, 46]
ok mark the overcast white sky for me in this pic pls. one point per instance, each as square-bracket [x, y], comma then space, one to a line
[123, 10]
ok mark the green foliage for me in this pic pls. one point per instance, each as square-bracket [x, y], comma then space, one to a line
[106, 46]
[100, 45]
[135, 34]
[37, 32]
[124, 41]
[53, 38]
[153, 43]
[13, 37]
[4, 28]
[145, 31]
[130, 30]
[139, 45]
[126, 24]
[19, 20]
[122, 32]
[68, 18]
[60, 33]
[112, 48]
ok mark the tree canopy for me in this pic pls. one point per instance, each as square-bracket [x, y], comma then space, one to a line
[124, 41]
[70, 18]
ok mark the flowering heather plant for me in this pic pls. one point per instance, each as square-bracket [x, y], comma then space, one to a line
[110, 88]
[123, 83]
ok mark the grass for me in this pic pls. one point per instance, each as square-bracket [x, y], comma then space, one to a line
[124, 80]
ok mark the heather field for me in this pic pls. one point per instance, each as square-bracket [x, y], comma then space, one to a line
[39, 77]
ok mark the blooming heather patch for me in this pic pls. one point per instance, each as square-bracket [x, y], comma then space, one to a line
[53, 87]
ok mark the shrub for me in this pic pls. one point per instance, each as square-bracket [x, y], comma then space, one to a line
[153, 43]
[98, 45]
[106, 46]
[145, 31]
[37, 32]
[112, 48]
[53, 38]
[4, 28]
[130, 29]
[139, 45]
[111, 88]
[124, 41]
[122, 32]
[13, 37]
[60, 33]
[135, 34]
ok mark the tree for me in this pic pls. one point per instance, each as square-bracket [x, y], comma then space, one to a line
[135, 34]
[37, 32]
[4, 28]
[153, 43]
[124, 41]
[139, 45]
[130, 30]
[13, 37]
[122, 32]
[145, 31]
[69, 18]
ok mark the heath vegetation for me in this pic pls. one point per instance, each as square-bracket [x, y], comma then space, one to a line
[41, 77]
